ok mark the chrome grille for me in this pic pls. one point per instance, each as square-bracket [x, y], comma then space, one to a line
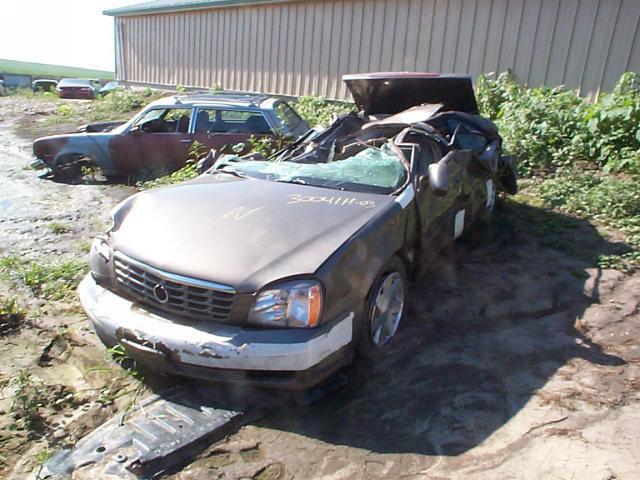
[188, 298]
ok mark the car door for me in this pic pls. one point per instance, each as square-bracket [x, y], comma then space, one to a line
[223, 128]
[479, 187]
[441, 211]
[158, 142]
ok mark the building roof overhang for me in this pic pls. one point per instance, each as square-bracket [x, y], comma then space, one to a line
[165, 6]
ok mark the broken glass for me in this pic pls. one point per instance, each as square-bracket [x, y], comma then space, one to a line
[378, 168]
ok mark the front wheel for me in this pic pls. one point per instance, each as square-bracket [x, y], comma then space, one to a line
[384, 308]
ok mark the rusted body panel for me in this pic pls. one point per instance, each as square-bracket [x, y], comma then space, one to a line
[230, 235]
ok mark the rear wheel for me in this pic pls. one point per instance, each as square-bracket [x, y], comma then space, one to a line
[384, 309]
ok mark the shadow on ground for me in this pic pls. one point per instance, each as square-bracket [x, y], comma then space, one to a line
[490, 324]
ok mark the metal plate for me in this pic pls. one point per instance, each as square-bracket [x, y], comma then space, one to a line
[160, 433]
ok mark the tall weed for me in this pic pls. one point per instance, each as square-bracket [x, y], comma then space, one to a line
[551, 128]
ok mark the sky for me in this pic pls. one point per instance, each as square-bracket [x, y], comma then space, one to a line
[61, 32]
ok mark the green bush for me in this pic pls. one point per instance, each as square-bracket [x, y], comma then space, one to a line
[318, 110]
[119, 102]
[546, 129]
[613, 125]
[66, 110]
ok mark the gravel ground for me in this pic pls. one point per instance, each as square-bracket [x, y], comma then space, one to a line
[520, 359]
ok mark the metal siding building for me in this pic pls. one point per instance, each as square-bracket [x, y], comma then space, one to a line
[303, 47]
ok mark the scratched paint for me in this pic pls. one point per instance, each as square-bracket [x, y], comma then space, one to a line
[240, 213]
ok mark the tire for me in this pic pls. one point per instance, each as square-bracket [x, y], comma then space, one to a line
[384, 309]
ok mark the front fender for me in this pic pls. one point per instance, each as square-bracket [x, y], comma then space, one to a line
[351, 270]
[88, 146]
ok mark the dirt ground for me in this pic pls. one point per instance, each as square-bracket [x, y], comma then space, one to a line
[520, 359]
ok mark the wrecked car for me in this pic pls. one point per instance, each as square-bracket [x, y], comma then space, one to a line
[157, 139]
[275, 273]
[111, 87]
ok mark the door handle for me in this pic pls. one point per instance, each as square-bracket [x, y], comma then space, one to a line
[186, 140]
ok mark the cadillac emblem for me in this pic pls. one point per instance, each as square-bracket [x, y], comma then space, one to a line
[160, 293]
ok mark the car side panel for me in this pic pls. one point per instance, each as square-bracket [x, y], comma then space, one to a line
[349, 273]
[437, 213]
[149, 154]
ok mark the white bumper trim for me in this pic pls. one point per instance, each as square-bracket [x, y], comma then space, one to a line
[213, 345]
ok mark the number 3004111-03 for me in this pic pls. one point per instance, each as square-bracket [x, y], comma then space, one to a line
[337, 201]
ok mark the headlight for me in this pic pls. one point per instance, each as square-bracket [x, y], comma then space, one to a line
[290, 304]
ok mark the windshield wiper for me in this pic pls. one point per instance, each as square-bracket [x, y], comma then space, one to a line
[235, 173]
[292, 180]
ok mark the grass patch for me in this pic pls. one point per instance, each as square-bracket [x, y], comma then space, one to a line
[27, 401]
[30, 396]
[58, 227]
[82, 245]
[611, 200]
[11, 314]
[52, 281]
[39, 95]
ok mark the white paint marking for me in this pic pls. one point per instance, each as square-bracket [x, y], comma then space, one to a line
[458, 225]
[241, 212]
[491, 194]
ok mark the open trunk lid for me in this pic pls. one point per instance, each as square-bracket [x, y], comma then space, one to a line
[393, 92]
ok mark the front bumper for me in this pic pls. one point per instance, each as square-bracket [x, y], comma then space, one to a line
[285, 358]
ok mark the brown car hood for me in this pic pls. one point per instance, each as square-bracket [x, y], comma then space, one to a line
[240, 232]
[393, 92]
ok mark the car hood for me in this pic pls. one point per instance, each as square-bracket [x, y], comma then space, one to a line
[392, 92]
[53, 144]
[240, 232]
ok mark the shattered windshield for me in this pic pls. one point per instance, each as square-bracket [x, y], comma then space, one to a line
[373, 169]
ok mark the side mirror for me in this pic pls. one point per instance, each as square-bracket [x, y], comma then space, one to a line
[439, 177]
[135, 129]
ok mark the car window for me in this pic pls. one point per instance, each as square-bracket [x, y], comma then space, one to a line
[288, 117]
[470, 140]
[465, 138]
[165, 120]
[430, 153]
[213, 120]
